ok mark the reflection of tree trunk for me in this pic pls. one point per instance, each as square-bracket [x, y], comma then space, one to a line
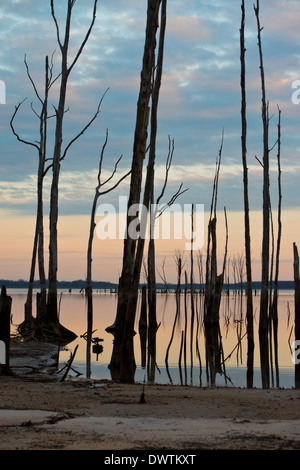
[151, 362]
[297, 311]
[89, 295]
[143, 327]
[177, 314]
[151, 273]
[185, 328]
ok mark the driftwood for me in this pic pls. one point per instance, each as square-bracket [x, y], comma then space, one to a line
[68, 365]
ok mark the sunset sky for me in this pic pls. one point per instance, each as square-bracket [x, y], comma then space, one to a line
[200, 96]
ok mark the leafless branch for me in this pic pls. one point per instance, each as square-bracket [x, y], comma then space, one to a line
[259, 161]
[56, 23]
[168, 166]
[86, 36]
[32, 82]
[85, 128]
[163, 274]
[172, 200]
[63, 47]
[100, 185]
[14, 131]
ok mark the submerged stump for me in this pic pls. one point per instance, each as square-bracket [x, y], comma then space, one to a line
[5, 311]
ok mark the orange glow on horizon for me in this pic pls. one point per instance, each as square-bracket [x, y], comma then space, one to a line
[17, 237]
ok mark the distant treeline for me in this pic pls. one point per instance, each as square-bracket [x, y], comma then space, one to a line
[80, 284]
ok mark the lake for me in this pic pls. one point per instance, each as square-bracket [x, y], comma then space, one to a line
[72, 307]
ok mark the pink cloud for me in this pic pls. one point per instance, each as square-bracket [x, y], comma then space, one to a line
[190, 28]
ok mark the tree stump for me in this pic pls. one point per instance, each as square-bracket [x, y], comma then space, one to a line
[297, 312]
[5, 309]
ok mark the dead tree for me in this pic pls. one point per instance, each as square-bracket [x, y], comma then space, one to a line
[66, 68]
[273, 310]
[200, 269]
[157, 212]
[99, 191]
[264, 299]
[214, 284]
[192, 288]
[179, 262]
[40, 146]
[249, 314]
[275, 294]
[122, 364]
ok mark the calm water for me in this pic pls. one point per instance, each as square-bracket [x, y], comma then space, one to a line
[233, 329]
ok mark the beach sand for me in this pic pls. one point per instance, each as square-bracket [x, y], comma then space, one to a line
[38, 412]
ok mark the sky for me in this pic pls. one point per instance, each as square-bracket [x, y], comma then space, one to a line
[200, 98]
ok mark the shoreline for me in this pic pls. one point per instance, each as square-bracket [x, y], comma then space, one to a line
[45, 414]
[40, 412]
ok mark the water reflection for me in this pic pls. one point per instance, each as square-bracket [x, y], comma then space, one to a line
[175, 351]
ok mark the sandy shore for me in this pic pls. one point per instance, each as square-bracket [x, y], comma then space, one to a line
[41, 413]
[108, 416]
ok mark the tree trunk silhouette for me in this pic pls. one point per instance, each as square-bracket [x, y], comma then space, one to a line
[274, 300]
[52, 312]
[249, 314]
[122, 364]
[264, 299]
[297, 311]
[89, 290]
[38, 244]
[214, 285]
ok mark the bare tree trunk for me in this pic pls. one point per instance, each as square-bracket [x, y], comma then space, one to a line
[122, 361]
[192, 289]
[41, 306]
[89, 290]
[127, 363]
[52, 312]
[38, 244]
[297, 311]
[143, 327]
[28, 316]
[214, 284]
[274, 306]
[151, 275]
[249, 314]
[264, 299]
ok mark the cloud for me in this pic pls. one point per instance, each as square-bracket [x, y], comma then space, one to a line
[200, 91]
[188, 28]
